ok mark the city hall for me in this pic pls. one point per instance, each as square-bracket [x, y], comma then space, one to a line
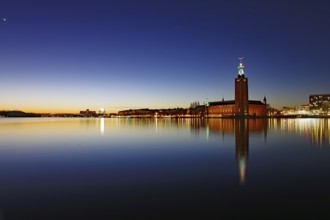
[241, 106]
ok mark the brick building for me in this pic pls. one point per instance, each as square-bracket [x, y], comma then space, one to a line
[241, 106]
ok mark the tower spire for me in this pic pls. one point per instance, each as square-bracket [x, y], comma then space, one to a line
[240, 67]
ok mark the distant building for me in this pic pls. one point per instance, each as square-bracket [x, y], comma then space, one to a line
[297, 110]
[241, 106]
[88, 113]
[145, 112]
[319, 103]
[288, 110]
[138, 112]
[302, 110]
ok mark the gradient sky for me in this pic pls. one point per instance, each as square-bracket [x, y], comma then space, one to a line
[66, 56]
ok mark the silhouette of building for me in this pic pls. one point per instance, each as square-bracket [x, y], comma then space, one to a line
[145, 112]
[241, 106]
[88, 113]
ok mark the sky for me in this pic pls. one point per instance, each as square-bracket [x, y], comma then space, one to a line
[70, 55]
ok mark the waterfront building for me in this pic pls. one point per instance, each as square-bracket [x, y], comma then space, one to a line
[88, 113]
[302, 110]
[319, 103]
[241, 106]
[145, 112]
[288, 110]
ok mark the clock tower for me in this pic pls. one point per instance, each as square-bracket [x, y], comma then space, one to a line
[241, 92]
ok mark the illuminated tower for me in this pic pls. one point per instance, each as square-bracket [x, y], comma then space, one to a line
[241, 92]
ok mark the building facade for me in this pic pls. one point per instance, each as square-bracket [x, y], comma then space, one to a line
[241, 106]
[319, 103]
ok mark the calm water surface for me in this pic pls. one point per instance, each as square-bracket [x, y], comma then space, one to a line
[164, 168]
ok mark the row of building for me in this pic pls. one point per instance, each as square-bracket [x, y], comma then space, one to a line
[240, 107]
[319, 104]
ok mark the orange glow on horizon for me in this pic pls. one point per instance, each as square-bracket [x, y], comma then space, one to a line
[76, 110]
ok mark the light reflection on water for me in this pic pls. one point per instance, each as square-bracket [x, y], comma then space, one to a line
[174, 166]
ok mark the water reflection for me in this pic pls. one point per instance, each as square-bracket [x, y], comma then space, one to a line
[319, 133]
[316, 131]
[39, 133]
[241, 128]
[102, 126]
[242, 146]
[164, 165]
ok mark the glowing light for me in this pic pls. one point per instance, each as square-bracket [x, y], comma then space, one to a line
[102, 111]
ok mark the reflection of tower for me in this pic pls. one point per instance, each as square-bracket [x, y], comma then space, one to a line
[241, 92]
[242, 146]
[102, 126]
[242, 127]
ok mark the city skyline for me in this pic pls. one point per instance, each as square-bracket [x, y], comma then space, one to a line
[61, 56]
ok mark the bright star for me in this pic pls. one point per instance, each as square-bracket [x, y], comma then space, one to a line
[4, 19]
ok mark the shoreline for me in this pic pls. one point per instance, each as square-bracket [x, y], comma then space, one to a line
[170, 117]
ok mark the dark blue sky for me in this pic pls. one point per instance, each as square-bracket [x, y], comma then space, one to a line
[71, 55]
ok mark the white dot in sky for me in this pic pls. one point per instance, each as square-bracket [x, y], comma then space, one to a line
[4, 19]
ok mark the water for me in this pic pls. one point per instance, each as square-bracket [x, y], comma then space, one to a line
[164, 168]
